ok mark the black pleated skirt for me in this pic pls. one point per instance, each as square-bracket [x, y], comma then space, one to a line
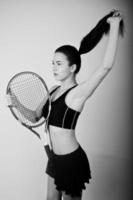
[70, 171]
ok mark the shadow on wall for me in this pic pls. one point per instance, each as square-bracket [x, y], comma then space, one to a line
[111, 179]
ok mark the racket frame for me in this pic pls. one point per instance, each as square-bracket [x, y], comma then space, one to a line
[8, 90]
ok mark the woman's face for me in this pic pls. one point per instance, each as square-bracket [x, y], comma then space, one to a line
[61, 68]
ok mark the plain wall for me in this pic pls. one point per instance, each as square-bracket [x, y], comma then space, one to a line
[30, 31]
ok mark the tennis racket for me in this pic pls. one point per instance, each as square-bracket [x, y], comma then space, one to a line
[28, 92]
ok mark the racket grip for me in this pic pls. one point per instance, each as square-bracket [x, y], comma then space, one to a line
[49, 152]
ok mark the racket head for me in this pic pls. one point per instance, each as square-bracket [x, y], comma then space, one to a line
[31, 90]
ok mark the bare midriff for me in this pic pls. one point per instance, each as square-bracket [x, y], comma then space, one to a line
[63, 140]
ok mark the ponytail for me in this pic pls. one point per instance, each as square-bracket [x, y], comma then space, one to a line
[88, 42]
[96, 34]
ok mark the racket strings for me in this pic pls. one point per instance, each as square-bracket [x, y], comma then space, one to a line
[25, 90]
[29, 92]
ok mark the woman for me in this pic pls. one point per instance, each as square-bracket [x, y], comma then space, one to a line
[68, 168]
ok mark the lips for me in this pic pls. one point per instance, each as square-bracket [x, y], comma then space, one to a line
[55, 74]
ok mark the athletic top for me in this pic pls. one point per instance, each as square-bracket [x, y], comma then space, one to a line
[61, 115]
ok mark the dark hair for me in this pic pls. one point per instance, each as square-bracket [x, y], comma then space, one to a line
[89, 41]
[72, 55]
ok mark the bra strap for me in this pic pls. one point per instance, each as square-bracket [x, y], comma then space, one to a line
[54, 90]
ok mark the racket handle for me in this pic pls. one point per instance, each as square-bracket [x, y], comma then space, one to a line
[49, 152]
[44, 139]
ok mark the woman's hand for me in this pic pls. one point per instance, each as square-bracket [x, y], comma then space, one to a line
[116, 18]
[12, 99]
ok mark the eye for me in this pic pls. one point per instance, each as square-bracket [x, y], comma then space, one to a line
[58, 63]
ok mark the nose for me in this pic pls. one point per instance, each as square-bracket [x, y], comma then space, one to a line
[54, 68]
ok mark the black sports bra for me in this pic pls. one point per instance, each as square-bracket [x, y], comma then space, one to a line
[61, 115]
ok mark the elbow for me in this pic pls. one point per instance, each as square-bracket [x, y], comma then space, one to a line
[108, 66]
[34, 118]
[37, 115]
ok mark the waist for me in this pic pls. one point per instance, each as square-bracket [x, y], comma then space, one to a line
[63, 140]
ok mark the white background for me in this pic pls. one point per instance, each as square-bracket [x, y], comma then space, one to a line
[30, 31]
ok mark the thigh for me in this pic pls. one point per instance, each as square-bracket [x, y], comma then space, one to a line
[68, 197]
[52, 192]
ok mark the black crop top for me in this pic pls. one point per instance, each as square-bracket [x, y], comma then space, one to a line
[61, 115]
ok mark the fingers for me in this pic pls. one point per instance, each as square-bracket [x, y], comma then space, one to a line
[9, 91]
[8, 100]
[11, 100]
[116, 13]
[116, 16]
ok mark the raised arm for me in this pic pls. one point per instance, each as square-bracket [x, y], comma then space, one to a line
[87, 88]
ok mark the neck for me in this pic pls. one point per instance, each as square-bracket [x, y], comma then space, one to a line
[68, 83]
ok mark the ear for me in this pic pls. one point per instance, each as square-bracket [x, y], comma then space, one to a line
[73, 68]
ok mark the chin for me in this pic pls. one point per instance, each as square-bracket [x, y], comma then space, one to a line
[58, 78]
[61, 78]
